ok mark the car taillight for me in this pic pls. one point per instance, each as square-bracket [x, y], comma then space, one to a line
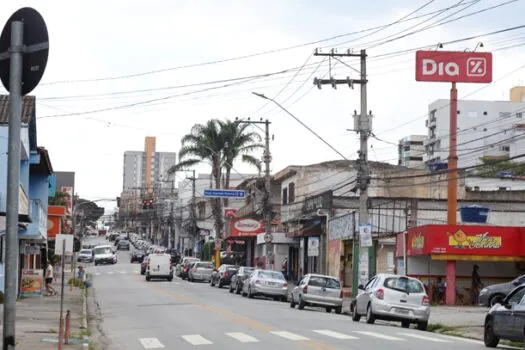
[285, 285]
[257, 282]
[380, 294]
[305, 289]
[426, 300]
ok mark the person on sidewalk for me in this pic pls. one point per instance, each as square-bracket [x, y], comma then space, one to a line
[284, 268]
[50, 275]
[476, 286]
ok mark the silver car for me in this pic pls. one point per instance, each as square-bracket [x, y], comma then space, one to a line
[267, 283]
[200, 271]
[318, 290]
[393, 298]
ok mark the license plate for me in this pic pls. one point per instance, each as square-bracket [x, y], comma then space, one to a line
[271, 283]
[402, 311]
[156, 270]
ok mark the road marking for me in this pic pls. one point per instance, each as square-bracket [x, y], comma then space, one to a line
[468, 340]
[110, 272]
[195, 339]
[243, 338]
[150, 343]
[290, 336]
[98, 274]
[424, 337]
[379, 335]
[333, 334]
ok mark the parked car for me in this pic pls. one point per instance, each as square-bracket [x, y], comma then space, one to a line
[159, 267]
[182, 269]
[123, 244]
[137, 256]
[393, 298]
[200, 271]
[222, 276]
[506, 320]
[144, 265]
[494, 294]
[85, 255]
[318, 290]
[104, 254]
[266, 283]
[237, 280]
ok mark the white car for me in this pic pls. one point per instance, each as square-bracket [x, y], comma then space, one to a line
[159, 266]
[85, 255]
[104, 254]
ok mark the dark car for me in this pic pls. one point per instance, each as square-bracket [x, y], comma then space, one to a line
[222, 277]
[123, 245]
[137, 256]
[506, 320]
[493, 294]
[237, 280]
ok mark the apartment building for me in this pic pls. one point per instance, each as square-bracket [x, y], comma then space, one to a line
[411, 150]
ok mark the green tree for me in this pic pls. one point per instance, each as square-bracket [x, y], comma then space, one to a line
[219, 144]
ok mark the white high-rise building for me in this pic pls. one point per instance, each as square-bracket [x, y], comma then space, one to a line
[487, 130]
[411, 150]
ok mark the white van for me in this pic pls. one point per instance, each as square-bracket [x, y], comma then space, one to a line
[159, 266]
[104, 255]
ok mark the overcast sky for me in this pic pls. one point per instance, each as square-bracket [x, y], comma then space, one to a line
[100, 49]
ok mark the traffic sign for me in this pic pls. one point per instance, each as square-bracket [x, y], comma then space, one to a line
[35, 49]
[268, 238]
[219, 193]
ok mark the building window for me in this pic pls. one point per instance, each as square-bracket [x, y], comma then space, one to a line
[519, 115]
[504, 114]
[291, 192]
[285, 196]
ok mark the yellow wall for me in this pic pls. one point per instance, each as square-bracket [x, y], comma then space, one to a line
[517, 94]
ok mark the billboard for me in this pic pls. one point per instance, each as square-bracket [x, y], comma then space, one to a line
[246, 227]
[69, 191]
[454, 66]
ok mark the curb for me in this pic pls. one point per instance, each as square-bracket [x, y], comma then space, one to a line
[84, 324]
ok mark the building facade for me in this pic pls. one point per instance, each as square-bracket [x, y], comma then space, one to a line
[411, 150]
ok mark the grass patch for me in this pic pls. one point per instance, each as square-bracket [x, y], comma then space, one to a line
[441, 328]
[514, 344]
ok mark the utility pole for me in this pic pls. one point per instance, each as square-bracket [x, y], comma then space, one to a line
[267, 204]
[193, 212]
[363, 126]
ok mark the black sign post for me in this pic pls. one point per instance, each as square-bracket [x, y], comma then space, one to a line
[24, 48]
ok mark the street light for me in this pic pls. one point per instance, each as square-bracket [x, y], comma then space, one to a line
[263, 96]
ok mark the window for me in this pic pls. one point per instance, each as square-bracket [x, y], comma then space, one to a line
[271, 274]
[404, 284]
[285, 196]
[291, 192]
[369, 284]
[516, 297]
[519, 114]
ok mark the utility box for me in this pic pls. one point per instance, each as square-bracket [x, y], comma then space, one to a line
[363, 123]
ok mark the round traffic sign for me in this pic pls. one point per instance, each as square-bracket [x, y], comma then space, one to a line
[36, 43]
[268, 238]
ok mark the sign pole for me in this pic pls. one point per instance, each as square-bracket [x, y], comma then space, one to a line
[13, 183]
[61, 324]
[450, 293]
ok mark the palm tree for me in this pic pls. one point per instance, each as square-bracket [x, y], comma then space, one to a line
[218, 143]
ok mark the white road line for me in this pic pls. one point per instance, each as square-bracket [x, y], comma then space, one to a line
[151, 343]
[98, 274]
[424, 337]
[333, 334]
[195, 339]
[379, 335]
[110, 272]
[468, 340]
[290, 336]
[243, 338]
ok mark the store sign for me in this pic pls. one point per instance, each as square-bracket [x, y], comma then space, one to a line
[418, 242]
[460, 240]
[321, 201]
[246, 227]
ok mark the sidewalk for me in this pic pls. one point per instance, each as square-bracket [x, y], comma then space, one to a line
[37, 319]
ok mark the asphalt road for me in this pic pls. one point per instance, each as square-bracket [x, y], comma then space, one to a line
[137, 315]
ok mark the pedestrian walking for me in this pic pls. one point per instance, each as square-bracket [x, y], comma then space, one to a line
[50, 275]
[284, 268]
[475, 286]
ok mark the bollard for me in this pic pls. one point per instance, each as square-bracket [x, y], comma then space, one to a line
[68, 327]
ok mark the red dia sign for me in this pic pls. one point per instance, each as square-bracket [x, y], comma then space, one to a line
[454, 66]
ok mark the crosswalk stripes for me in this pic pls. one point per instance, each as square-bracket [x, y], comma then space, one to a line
[151, 343]
[197, 339]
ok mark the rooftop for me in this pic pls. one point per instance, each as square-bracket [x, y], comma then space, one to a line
[28, 108]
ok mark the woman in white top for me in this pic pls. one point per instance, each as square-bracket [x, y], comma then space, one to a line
[49, 279]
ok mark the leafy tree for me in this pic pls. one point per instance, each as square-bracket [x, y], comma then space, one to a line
[492, 167]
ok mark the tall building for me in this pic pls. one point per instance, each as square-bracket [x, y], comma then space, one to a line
[487, 130]
[411, 150]
[143, 170]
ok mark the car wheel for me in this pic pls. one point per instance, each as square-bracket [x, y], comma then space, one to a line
[405, 324]
[212, 284]
[496, 299]
[302, 304]
[284, 299]
[292, 303]
[339, 310]
[238, 289]
[231, 289]
[370, 317]
[355, 316]
[148, 278]
[250, 295]
[422, 326]
[489, 338]
[170, 279]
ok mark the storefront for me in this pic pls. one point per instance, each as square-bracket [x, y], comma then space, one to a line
[449, 252]
[246, 230]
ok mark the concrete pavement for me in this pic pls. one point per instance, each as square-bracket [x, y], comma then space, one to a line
[135, 314]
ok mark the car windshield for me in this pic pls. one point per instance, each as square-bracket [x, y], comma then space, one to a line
[404, 284]
[324, 282]
[85, 251]
[271, 275]
[103, 250]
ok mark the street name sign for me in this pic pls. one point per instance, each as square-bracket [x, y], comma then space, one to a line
[454, 66]
[219, 193]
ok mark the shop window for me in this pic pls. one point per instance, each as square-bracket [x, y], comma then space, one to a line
[291, 192]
